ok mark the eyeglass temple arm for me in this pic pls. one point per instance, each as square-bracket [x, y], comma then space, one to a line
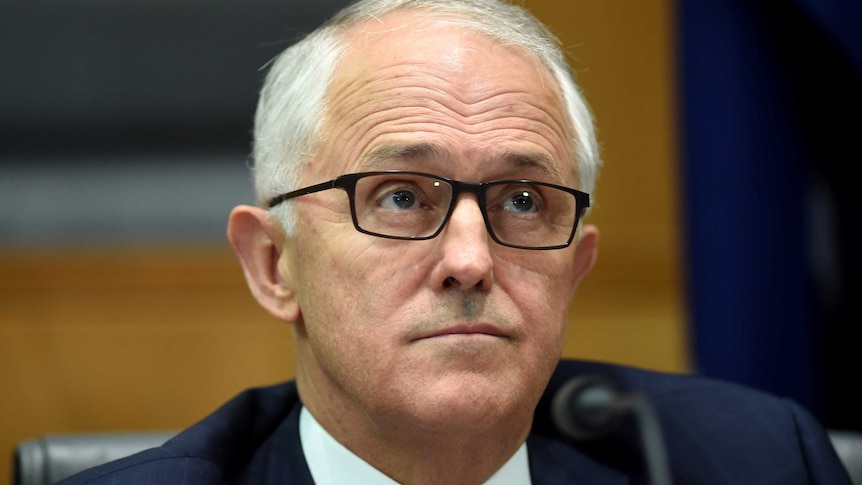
[307, 190]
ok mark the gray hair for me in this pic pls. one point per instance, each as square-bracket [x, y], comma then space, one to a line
[291, 109]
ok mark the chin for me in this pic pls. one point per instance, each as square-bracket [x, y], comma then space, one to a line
[470, 404]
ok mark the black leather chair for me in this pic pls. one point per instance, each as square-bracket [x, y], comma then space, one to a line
[848, 445]
[49, 459]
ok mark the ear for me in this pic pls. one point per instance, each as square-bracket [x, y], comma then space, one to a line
[586, 252]
[258, 243]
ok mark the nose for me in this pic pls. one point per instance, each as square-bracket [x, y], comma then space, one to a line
[465, 253]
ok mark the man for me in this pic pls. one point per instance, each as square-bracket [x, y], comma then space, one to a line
[422, 168]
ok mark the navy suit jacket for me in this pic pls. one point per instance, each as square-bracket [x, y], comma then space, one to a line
[715, 433]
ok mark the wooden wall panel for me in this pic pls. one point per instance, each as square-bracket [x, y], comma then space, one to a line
[128, 338]
[631, 308]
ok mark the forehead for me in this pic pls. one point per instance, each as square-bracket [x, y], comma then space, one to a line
[410, 63]
[420, 44]
[432, 36]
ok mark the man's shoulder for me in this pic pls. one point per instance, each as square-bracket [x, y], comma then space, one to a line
[727, 432]
[156, 465]
[650, 382]
[688, 403]
[213, 450]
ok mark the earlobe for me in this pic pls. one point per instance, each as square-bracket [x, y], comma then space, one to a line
[586, 252]
[257, 242]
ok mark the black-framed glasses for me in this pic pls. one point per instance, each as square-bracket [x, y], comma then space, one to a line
[414, 206]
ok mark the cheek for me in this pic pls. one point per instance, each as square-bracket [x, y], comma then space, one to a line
[356, 280]
[355, 297]
[543, 288]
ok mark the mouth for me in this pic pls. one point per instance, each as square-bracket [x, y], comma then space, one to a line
[466, 330]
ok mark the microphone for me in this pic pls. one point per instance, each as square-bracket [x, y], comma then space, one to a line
[591, 406]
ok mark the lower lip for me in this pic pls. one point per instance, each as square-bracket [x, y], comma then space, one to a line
[464, 336]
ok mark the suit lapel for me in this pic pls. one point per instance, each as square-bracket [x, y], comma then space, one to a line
[280, 460]
[555, 462]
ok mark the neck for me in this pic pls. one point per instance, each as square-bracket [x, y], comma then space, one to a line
[442, 457]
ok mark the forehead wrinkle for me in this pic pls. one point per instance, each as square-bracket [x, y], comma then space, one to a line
[475, 113]
[357, 91]
[407, 73]
[472, 118]
[428, 77]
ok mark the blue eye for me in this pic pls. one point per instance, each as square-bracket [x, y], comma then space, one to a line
[520, 202]
[400, 200]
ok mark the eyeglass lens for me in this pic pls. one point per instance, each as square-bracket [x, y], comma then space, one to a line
[415, 206]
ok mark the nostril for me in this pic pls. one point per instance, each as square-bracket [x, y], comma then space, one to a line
[451, 282]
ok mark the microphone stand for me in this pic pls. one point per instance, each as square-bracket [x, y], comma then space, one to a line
[590, 406]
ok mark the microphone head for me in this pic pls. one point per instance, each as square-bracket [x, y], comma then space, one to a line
[587, 407]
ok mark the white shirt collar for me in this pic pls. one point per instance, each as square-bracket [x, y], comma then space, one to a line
[331, 463]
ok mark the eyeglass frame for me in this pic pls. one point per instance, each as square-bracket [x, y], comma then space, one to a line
[347, 182]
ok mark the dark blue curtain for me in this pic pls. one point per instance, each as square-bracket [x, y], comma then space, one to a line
[771, 130]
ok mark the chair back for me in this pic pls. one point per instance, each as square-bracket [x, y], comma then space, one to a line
[52, 458]
[848, 446]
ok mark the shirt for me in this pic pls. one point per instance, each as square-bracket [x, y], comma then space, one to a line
[331, 463]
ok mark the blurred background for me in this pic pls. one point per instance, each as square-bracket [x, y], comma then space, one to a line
[732, 138]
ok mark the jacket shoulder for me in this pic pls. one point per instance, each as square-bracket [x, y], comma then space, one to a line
[152, 466]
[714, 431]
[211, 451]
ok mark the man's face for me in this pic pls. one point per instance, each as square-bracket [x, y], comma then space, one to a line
[456, 329]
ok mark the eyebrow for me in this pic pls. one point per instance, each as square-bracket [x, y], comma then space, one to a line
[404, 152]
[417, 152]
[538, 161]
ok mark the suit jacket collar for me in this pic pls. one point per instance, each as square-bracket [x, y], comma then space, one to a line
[280, 460]
[554, 462]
